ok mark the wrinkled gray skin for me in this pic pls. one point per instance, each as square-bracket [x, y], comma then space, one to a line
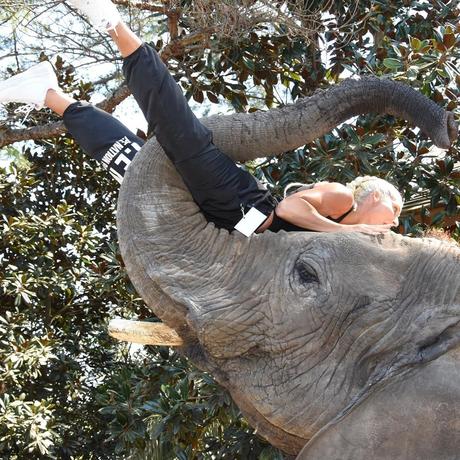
[333, 345]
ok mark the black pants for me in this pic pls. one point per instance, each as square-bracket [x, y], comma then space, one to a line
[219, 187]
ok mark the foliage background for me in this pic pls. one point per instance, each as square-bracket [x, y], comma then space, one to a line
[69, 391]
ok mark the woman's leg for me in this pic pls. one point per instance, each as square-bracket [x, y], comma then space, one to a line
[159, 97]
[99, 134]
[220, 188]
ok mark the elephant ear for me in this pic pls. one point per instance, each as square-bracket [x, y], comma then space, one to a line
[414, 417]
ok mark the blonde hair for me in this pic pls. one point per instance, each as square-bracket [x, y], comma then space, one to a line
[363, 186]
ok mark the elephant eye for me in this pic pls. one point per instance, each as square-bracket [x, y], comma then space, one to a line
[305, 273]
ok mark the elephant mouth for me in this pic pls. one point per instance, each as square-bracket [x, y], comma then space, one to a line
[452, 128]
[451, 134]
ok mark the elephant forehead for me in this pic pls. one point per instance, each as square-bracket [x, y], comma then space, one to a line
[349, 264]
[356, 248]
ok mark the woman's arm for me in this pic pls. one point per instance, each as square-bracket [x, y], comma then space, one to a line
[330, 199]
[300, 212]
[308, 208]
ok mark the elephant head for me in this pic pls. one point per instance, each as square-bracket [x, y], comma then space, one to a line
[304, 329]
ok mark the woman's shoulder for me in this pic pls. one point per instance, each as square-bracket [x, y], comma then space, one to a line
[333, 198]
[335, 187]
[336, 190]
[328, 190]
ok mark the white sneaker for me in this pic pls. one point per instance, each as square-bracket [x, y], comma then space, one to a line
[102, 14]
[29, 87]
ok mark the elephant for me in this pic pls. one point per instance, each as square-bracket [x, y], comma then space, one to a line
[333, 345]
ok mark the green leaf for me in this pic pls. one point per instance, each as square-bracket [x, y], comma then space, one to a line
[392, 63]
[438, 218]
[249, 64]
[452, 206]
[372, 139]
[295, 76]
[415, 43]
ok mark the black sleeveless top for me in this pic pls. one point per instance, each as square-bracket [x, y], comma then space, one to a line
[280, 224]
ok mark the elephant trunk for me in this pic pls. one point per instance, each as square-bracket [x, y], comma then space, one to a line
[246, 136]
[166, 243]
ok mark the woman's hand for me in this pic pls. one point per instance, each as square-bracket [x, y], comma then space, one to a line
[374, 229]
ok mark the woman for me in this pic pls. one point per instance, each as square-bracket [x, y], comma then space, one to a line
[224, 192]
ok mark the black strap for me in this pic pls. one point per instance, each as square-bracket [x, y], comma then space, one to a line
[339, 219]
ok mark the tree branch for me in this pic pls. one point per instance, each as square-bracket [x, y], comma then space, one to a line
[52, 130]
[146, 6]
[176, 48]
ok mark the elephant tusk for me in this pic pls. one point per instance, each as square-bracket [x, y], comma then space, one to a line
[144, 332]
